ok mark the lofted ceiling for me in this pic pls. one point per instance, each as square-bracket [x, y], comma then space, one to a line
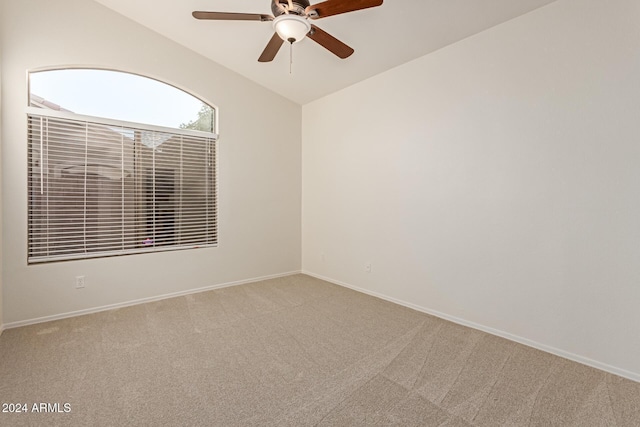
[383, 37]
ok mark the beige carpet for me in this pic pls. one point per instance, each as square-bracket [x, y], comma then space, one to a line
[294, 351]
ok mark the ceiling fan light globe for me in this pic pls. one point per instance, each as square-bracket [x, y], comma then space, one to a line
[291, 27]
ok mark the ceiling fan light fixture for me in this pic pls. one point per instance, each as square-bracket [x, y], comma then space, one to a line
[291, 28]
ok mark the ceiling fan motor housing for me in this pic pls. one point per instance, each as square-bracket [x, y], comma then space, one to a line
[279, 7]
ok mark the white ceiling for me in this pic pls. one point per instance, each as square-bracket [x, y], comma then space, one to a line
[383, 37]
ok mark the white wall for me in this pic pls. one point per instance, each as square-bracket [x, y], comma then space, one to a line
[1, 258]
[259, 164]
[496, 182]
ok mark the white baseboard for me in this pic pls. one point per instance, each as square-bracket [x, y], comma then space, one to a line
[543, 347]
[140, 301]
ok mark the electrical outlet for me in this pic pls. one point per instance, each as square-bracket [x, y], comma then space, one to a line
[367, 267]
[322, 257]
[79, 282]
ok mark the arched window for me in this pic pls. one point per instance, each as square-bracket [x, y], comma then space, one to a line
[118, 164]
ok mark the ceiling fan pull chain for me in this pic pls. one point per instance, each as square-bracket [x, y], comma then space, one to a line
[290, 56]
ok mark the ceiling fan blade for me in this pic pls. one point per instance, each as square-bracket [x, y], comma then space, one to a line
[225, 16]
[329, 42]
[272, 49]
[336, 7]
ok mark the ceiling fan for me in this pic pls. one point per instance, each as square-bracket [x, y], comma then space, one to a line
[291, 22]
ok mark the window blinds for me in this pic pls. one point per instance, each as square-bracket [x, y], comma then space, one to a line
[100, 188]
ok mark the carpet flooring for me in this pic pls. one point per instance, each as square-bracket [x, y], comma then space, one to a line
[293, 351]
